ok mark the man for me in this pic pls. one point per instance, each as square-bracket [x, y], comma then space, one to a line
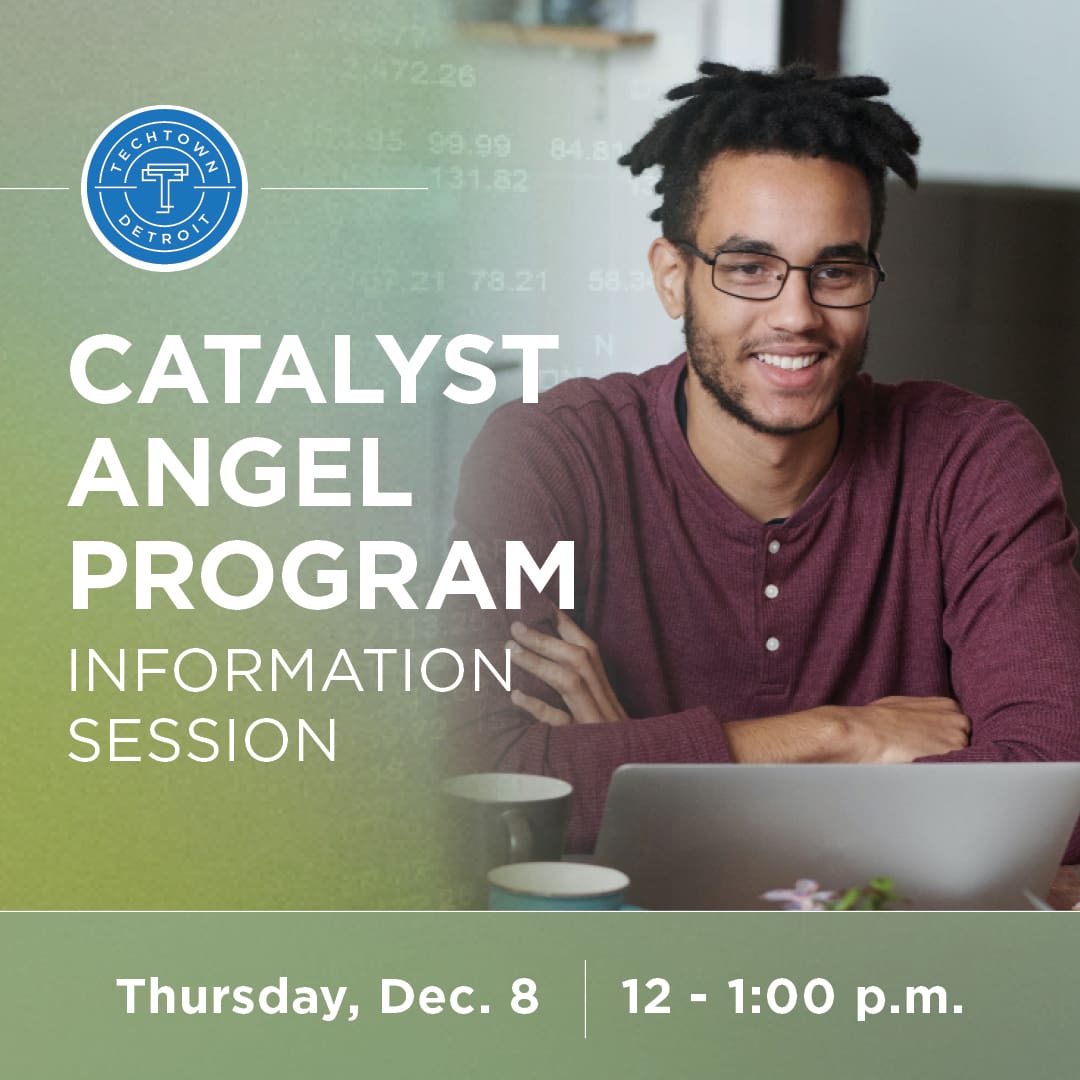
[776, 560]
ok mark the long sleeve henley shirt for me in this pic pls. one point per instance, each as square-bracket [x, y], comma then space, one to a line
[933, 558]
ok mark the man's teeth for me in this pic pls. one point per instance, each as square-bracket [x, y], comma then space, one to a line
[788, 363]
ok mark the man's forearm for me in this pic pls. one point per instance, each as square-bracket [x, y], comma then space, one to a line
[814, 735]
[587, 754]
[889, 730]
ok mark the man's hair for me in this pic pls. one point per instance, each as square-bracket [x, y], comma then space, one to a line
[787, 112]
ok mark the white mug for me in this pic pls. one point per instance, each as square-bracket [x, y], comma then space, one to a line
[499, 818]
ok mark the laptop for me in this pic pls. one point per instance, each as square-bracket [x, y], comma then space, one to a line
[950, 836]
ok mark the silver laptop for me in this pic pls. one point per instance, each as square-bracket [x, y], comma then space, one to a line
[967, 836]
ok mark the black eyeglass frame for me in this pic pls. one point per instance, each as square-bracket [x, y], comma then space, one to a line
[710, 261]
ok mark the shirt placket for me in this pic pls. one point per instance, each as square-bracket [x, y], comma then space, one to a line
[776, 622]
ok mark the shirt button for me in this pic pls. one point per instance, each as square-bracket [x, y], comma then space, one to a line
[772, 644]
[774, 546]
[772, 592]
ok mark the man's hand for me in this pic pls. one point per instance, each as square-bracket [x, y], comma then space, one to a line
[900, 729]
[570, 664]
[889, 730]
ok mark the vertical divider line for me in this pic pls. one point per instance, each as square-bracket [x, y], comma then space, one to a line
[585, 999]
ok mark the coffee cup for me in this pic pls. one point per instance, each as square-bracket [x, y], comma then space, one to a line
[500, 818]
[557, 886]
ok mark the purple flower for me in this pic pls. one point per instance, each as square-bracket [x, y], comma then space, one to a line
[806, 896]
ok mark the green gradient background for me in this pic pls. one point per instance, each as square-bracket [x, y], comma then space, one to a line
[340, 93]
[297, 89]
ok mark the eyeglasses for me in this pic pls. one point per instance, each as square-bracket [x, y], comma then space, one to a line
[753, 275]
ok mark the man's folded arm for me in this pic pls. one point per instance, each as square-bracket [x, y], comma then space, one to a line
[527, 478]
[586, 755]
[1012, 617]
[530, 481]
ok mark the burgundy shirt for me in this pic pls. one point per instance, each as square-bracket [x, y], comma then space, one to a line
[933, 558]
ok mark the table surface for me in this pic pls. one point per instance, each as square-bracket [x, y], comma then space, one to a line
[1065, 890]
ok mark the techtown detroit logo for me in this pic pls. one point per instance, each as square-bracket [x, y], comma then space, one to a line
[164, 188]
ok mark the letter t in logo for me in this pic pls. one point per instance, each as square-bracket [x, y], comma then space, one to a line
[165, 173]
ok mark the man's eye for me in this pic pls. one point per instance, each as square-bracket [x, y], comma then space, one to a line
[745, 269]
[838, 274]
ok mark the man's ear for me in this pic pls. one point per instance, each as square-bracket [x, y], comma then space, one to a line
[669, 275]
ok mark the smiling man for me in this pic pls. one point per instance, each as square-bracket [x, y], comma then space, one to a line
[777, 560]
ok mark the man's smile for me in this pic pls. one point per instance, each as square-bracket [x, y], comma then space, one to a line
[788, 362]
[791, 367]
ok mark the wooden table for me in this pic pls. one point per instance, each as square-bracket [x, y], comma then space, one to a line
[1065, 890]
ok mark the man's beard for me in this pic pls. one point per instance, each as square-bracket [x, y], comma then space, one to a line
[708, 364]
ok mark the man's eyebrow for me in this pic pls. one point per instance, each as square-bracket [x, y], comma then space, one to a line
[851, 250]
[741, 242]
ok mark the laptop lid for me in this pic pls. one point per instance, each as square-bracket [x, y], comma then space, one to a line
[970, 835]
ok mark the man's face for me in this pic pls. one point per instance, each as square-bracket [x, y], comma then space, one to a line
[805, 210]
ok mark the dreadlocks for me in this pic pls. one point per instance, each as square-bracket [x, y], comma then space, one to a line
[789, 112]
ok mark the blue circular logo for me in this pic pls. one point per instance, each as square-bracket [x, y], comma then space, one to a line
[164, 188]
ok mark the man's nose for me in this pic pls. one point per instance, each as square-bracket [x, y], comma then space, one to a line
[793, 310]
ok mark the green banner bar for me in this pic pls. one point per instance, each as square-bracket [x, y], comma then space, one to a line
[483, 995]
